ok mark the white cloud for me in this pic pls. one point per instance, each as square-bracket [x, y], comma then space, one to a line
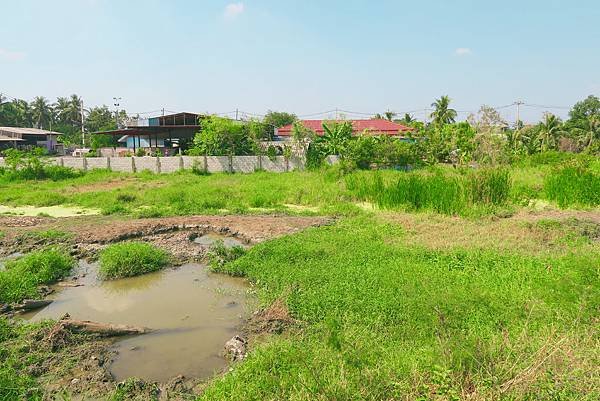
[10, 55]
[462, 51]
[232, 10]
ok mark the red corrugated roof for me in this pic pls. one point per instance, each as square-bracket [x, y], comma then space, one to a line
[373, 126]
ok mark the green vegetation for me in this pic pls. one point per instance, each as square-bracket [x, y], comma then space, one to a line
[128, 259]
[573, 185]
[436, 191]
[21, 277]
[389, 321]
[22, 166]
[219, 254]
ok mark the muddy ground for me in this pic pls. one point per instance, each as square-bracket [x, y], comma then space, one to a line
[88, 233]
[78, 365]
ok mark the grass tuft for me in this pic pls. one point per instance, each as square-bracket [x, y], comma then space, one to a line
[128, 259]
[21, 277]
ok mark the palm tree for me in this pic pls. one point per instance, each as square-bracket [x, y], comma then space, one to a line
[442, 114]
[74, 113]
[41, 112]
[389, 115]
[549, 130]
[408, 119]
[588, 135]
[61, 108]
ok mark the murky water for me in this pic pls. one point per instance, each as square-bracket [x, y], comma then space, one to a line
[192, 311]
[210, 238]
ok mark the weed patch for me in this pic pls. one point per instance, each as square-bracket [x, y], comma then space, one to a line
[128, 259]
[573, 185]
[21, 277]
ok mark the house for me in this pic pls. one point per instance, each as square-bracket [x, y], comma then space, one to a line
[25, 138]
[374, 127]
[164, 134]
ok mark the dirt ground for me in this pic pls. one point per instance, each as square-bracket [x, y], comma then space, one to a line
[88, 233]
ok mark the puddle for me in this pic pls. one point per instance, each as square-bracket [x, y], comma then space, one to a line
[52, 211]
[210, 238]
[193, 313]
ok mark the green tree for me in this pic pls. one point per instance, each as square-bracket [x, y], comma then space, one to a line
[41, 112]
[101, 119]
[442, 113]
[275, 119]
[549, 130]
[336, 135]
[222, 136]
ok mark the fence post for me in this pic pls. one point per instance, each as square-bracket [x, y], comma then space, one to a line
[181, 166]
[157, 164]
[231, 163]
[205, 164]
[61, 162]
[108, 163]
[260, 161]
[133, 170]
[85, 166]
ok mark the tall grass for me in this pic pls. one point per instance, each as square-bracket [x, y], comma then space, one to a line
[573, 185]
[442, 192]
[21, 277]
[128, 259]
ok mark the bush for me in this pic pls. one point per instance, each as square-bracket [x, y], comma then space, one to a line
[131, 259]
[573, 185]
[22, 276]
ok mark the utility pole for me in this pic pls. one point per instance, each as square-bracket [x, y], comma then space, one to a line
[236, 114]
[82, 126]
[518, 103]
[117, 104]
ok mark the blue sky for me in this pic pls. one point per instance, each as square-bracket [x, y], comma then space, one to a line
[302, 56]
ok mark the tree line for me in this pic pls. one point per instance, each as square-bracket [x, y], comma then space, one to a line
[64, 116]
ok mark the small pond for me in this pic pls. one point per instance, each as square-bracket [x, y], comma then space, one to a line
[192, 311]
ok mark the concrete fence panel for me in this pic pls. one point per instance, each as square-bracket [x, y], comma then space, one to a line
[145, 163]
[214, 164]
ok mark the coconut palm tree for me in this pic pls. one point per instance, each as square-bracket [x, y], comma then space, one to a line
[550, 128]
[389, 115]
[41, 112]
[590, 133]
[61, 108]
[442, 113]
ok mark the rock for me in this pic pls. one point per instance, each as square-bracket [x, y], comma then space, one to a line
[74, 381]
[235, 349]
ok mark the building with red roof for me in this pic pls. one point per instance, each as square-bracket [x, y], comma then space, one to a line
[373, 127]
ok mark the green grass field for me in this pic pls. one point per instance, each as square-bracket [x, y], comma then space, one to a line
[435, 294]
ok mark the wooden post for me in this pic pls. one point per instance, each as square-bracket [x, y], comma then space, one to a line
[133, 170]
[205, 164]
[62, 162]
[231, 163]
[108, 163]
[85, 166]
[260, 161]
[157, 165]
[181, 165]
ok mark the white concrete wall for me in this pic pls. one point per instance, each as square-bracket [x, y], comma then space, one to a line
[214, 164]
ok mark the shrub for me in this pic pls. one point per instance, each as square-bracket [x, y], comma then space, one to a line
[128, 259]
[572, 185]
[22, 276]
